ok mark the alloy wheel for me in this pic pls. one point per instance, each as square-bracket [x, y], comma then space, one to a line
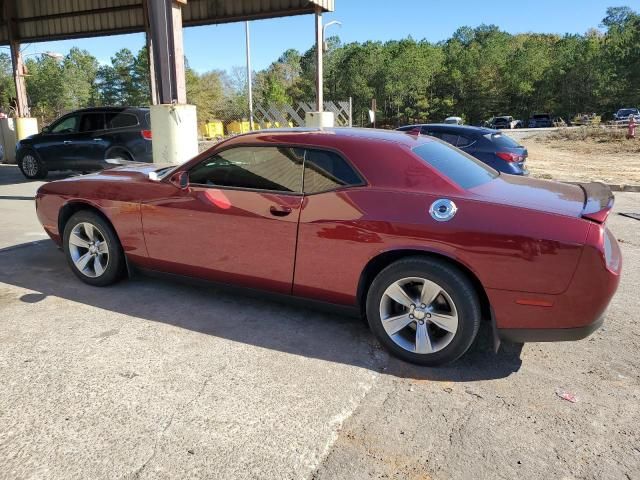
[89, 249]
[30, 165]
[418, 315]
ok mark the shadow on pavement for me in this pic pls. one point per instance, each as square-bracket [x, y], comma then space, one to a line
[41, 267]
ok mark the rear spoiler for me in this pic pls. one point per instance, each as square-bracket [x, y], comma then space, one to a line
[598, 201]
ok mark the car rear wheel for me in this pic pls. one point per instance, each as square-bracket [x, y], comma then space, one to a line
[92, 249]
[424, 311]
[31, 166]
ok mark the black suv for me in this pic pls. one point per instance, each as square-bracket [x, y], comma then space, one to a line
[84, 139]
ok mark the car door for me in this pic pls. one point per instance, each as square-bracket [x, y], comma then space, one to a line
[87, 144]
[329, 235]
[235, 223]
[54, 146]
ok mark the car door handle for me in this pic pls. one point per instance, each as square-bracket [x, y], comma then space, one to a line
[97, 139]
[280, 211]
[67, 142]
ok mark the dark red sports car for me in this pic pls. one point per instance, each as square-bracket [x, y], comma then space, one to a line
[422, 239]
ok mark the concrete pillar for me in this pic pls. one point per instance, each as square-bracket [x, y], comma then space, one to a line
[25, 127]
[175, 133]
[8, 139]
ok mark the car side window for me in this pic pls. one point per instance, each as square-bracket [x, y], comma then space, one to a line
[259, 168]
[324, 171]
[91, 122]
[67, 125]
[121, 120]
[464, 142]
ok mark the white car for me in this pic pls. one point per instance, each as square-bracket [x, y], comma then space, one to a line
[622, 115]
[453, 121]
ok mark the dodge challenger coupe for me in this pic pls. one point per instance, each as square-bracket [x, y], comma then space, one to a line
[420, 238]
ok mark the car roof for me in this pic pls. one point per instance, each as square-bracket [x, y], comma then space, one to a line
[111, 109]
[346, 132]
[461, 129]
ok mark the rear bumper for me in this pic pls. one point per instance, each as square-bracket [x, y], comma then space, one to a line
[524, 335]
[571, 315]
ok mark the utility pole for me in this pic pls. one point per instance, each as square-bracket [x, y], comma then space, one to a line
[249, 81]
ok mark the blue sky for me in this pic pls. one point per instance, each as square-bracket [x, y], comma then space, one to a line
[222, 46]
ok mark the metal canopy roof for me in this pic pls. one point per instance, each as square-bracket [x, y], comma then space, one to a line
[42, 20]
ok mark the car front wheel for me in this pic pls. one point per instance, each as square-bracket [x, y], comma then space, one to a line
[424, 311]
[92, 249]
[31, 166]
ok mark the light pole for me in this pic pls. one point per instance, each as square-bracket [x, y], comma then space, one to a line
[250, 88]
[325, 47]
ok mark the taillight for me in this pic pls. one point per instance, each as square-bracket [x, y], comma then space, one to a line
[510, 157]
[146, 134]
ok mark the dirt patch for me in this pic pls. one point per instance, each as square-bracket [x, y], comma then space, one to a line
[606, 159]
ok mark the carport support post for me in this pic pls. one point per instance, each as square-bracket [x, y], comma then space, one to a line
[319, 118]
[22, 126]
[173, 122]
[153, 90]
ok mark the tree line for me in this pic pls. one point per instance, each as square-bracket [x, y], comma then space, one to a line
[477, 73]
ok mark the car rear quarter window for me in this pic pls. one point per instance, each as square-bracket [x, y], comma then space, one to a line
[500, 140]
[464, 142]
[121, 120]
[258, 168]
[461, 168]
[324, 170]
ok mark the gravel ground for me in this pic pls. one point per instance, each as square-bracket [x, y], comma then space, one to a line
[152, 379]
[563, 155]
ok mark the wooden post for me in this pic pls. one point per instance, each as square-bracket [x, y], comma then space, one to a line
[178, 51]
[165, 22]
[153, 89]
[22, 103]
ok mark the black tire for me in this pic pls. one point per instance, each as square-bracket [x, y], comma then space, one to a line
[28, 160]
[456, 286]
[118, 154]
[114, 266]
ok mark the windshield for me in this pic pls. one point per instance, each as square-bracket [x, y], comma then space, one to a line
[500, 140]
[461, 168]
[627, 111]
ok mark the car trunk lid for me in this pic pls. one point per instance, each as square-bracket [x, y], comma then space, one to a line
[588, 200]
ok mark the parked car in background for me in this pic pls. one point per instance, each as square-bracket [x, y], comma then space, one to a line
[453, 121]
[623, 115]
[414, 235]
[541, 120]
[84, 139]
[504, 122]
[487, 145]
[559, 122]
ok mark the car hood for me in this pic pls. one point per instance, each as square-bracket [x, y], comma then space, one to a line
[545, 195]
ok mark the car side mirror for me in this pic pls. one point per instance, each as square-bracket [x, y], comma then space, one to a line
[46, 129]
[180, 180]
